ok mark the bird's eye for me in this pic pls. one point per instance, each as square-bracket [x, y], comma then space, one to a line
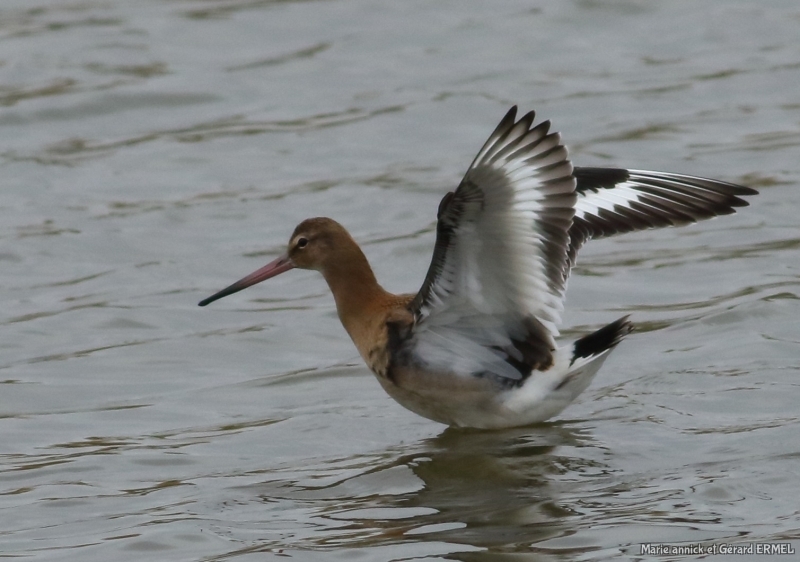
[302, 242]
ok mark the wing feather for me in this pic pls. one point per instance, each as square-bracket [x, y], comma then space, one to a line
[614, 200]
[507, 237]
[495, 287]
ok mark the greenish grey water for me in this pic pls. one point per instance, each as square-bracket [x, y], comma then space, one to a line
[153, 152]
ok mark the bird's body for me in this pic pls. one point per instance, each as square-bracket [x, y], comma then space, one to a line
[475, 347]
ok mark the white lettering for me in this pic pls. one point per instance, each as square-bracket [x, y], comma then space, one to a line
[765, 548]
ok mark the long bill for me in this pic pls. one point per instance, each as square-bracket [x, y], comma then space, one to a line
[272, 269]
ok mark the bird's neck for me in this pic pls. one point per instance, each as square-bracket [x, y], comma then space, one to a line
[365, 308]
[360, 300]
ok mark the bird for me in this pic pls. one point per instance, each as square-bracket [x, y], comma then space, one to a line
[476, 346]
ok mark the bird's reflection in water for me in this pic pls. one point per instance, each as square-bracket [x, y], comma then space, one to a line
[479, 491]
[495, 488]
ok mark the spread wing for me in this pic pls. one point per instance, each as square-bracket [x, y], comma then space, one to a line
[493, 294]
[613, 200]
[509, 234]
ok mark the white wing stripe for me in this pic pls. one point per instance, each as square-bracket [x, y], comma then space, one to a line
[614, 200]
[623, 194]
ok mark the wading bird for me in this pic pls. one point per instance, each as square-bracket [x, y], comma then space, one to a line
[476, 347]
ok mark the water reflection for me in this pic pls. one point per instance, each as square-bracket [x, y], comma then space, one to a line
[499, 486]
[470, 490]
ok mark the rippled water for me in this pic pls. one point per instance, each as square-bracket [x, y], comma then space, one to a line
[153, 152]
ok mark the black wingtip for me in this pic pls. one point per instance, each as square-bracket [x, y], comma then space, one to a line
[508, 119]
[744, 190]
[603, 339]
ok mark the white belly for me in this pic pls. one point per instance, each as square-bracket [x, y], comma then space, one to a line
[469, 401]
